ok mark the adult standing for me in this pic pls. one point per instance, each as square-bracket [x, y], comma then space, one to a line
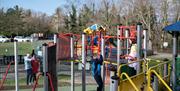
[39, 57]
[28, 68]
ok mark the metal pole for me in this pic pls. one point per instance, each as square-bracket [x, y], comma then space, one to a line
[138, 46]
[175, 42]
[155, 84]
[145, 43]
[45, 68]
[72, 64]
[111, 84]
[165, 68]
[16, 65]
[118, 46]
[57, 54]
[55, 38]
[103, 54]
[127, 41]
[118, 51]
[83, 63]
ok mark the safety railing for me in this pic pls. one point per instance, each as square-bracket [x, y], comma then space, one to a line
[159, 77]
[129, 79]
[149, 62]
[163, 69]
[120, 67]
[5, 75]
[162, 72]
[129, 76]
[109, 62]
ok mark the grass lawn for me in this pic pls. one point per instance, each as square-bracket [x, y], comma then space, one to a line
[23, 47]
[9, 84]
[22, 81]
[68, 88]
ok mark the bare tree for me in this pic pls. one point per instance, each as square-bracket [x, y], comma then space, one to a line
[176, 9]
[57, 20]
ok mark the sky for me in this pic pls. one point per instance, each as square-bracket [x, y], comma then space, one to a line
[44, 6]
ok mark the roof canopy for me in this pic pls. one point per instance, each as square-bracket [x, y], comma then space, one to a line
[173, 27]
[94, 28]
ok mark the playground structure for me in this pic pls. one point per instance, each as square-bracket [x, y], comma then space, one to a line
[160, 73]
[147, 78]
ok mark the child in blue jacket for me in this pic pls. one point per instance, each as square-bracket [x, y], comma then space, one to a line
[96, 63]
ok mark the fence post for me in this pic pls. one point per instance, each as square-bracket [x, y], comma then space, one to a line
[16, 65]
[165, 68]
[155, 84]
[45, 67]
[83, 63]
[138, 45]
[72, 63]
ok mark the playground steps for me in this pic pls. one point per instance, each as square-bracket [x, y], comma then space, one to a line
[139, 81]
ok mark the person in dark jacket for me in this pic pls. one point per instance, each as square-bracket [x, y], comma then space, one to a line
[96, 62]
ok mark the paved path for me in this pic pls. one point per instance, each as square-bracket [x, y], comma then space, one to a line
[161, 56]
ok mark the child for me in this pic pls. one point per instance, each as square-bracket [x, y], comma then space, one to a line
[97, 61]
[35, 67]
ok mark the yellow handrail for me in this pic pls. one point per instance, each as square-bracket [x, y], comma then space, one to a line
[129, 79]
[150, 89]
[159, 65]
[77, 61]
[107, 62]
[159, 77]
[120, 66]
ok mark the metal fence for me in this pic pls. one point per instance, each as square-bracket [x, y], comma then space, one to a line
[5, 60]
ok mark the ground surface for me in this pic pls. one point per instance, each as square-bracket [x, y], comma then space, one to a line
[63, 70]
[67, 88]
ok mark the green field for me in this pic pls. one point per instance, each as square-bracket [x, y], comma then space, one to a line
[23, 47]
[22, 81]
